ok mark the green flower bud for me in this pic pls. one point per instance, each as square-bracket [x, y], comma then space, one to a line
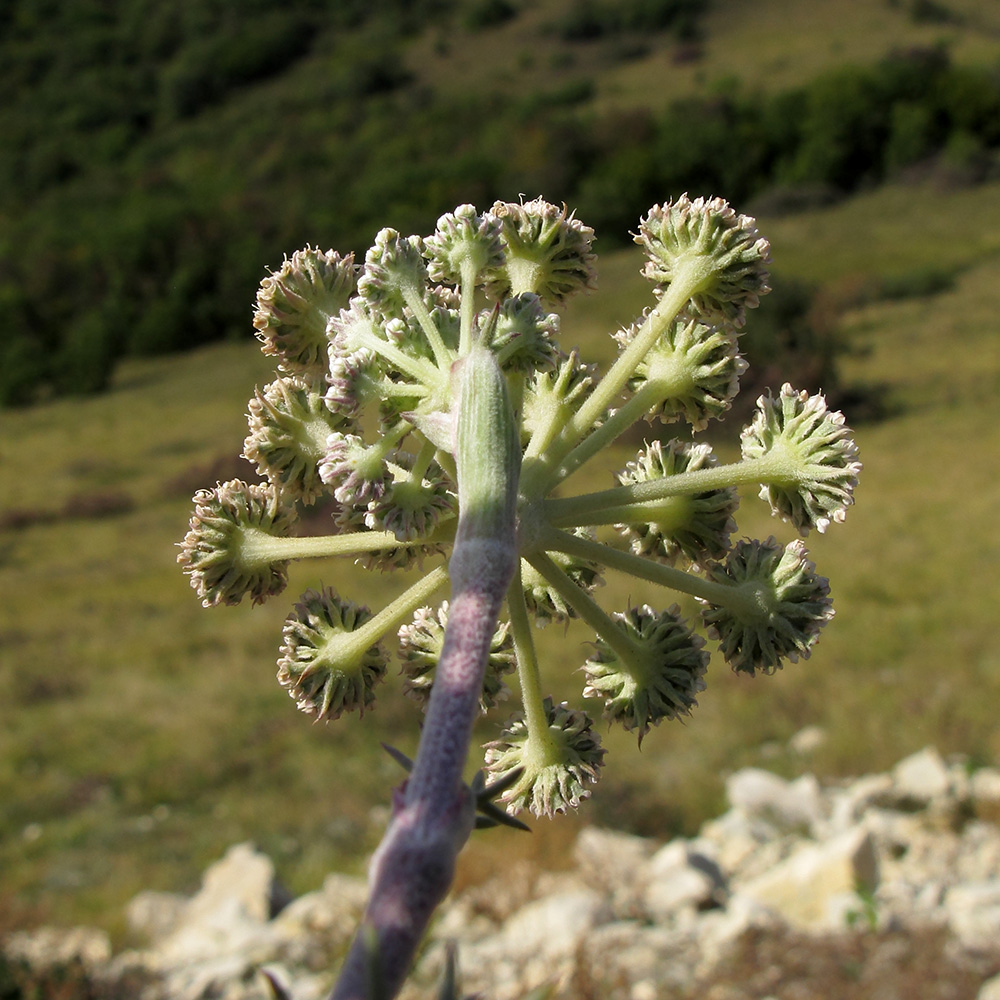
[295, 305]
[394, 267]
[546, 250]
[225, 553]
[465, 242]
[289, 425]
[779, 606]
[524, 337]
[658, 679]
[695, 370]
[817, 453]
[710, 244]
[321, 667]
[542, 599]
[555, 769]
[420, 645]
[356, 471]
[551, 397]
[695, 526]
[410, 508]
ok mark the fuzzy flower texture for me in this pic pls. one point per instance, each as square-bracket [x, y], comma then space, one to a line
[359, 424]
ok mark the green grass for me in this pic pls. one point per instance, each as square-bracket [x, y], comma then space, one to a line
[141, 734]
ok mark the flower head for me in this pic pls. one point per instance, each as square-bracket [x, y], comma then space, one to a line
[546, 251]
[322, 667]
[655, 674]
[818, 455]
[779, 610]
[420, 645]
[696, 526]
[692, 372]
[295, 304]
[290, 422]
[394, 269]
[465, 243]
[724, 248]
[225, 551]
[556, 769]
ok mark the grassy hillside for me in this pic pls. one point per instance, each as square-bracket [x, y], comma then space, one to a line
[156, 159]
[141, 735]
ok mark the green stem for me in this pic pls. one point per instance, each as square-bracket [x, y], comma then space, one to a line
[616, 424]
[722, 594]
[419, 369]
[585, 606]
[392, 615]
[259, 547]
[616, 504]
[467, 304]
[608, 389]
[415, 301]
[528, 674]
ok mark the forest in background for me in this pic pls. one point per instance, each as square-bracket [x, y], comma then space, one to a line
[158, 158]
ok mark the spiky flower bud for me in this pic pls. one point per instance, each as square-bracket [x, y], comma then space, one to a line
[696, 525]
[411, 507]
[660, 677]
[289, 425]
[465, 244]
[225, 553]
[524, 336]
[551, 397]
[693, 371]
[818, 454]
[556, 770]
[721, 249]
[295, 304]
[394, 266]
[357, 472]
[547, 251]
[354, 383]
[543, 600]
[420, 645]
[779, 608]
[320, 666]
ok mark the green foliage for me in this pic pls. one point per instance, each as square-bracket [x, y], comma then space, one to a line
[155, 157]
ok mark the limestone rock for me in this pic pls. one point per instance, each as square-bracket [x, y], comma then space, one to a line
[813, 888]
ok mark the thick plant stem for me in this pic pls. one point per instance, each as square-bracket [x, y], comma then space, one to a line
[434, 812]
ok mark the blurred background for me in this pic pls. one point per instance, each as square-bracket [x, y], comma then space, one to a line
[156, 159]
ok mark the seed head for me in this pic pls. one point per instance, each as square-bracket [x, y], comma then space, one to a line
[780, 609]
[325, 674]
[222, 553]
[555, 776]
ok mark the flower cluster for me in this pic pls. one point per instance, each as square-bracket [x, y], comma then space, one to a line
[364, 418]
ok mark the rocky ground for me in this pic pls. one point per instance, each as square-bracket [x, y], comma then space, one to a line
[884, 887]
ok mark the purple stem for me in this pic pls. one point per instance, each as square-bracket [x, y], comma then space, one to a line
[434, 811]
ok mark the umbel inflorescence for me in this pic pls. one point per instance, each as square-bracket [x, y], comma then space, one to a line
[364, 412]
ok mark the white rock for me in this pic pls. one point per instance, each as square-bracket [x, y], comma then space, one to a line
[922, 777]
[808, 740]
[243, 875]
[553, 927]
[811, 888]
[973, 911]
[48, 947]
[990, 990]
[790, 804]
[152, 915]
